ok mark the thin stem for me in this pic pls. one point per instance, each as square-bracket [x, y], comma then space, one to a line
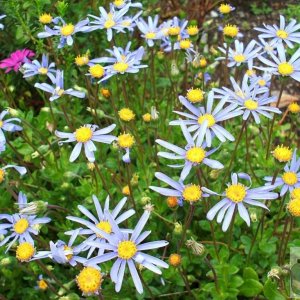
[186, 283]
[145, 284]
[214, 273]
[186, 225]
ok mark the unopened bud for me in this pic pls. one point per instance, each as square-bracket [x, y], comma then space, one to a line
[135, 179]
[149, 207]
[214, 174]
[197, 248]
[145, 200]
[275, 273]
[177, 228]
[91, 166]
[33, 208]
[175, 259]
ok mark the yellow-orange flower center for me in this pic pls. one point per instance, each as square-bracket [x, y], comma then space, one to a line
[195, 95]
[120, 67]
[126, 114]
[126, 249]
[295, 194]
[282, 153]
[43, 71]
[83, 134]
[69, 249]
[21, 226]
[192, 193]
[125, 140]
[89, 280]
[97, 71]
[230, 30]
[175, 259]
[150, 35]
[45, 18]
[67, 29]
[42, 284]
[195, 154]
[239, 58]
[251, 104]
[192, 30]
[285, 69]
[236, 192]
[294, 108]
[224, 9]
[25, 251]
[174, 31]
[207, 117]
[294, 207]
[185, 44]
[104, 226]
[290, 178]
[282, 34]
[2, 175]
[109, 23]
[81, 60]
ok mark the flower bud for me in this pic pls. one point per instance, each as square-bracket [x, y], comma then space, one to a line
[177, 228]
[175, 259]
[33, 208]
[197, 248]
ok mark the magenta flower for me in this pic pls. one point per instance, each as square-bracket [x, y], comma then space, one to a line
[16, 59]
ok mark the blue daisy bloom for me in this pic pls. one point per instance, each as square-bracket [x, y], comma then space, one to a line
[128, 250]
[37, 68]
[7, 125]
[236, 196]
[119, 4]
[290, 179]
[194, 154]
[283, 33]
[85, 136]
[20, 170]
[58, 89]
[20, 226]
[100, 221]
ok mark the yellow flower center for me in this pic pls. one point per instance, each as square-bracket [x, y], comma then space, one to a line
[126, 190]
[294, 207]
[282, 153]
[236, 192]
[67, 29]
[172, 202]
[104, 226]
[261, 82]
[126, 249]
[147, 117]
[175, 260]
[285, 69]
[192, 30]
[250, 72]
[43, 71]
[192, 193]
[82, 60]
[68, 256]
[21, 226]
[295, 194]
[118, 3]
[25, 251]
[230, 30]
[293, 108]
[209, 118]
[195, 155]
[251, 104]
[239, 58]
[89, 280]
[224, 9]
[59, 91]
[83, 134]
[195, 95]
[1, 124]
[290, 178]
[109, 23]
[120, 67]
[42, 284]
[45, 18]
[185, 44]
[97, 71]
[203, 62]
[126, 114]
[150, 35]
[2, 175]
[282, 34]
[125, 140]
[174, 31]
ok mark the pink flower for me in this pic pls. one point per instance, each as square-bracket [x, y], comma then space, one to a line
[16, 59]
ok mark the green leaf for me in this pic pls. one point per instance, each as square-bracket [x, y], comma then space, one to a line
[251, 288]
[250, 273]
[271, 292]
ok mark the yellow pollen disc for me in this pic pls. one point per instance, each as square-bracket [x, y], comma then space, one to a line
[43, 71]
[109, 23]
[294, 207]
[203, 62]
[21, 226]
[195, 95]
[251, 104]
[207, 117]
[175, 260]
[120, 67]
[1, 124]
[282, 153]
[195, 155]
[285, 69]
[239, 58]
[81, 60]
[250, 72]
[290, 178]
[147, 117]
[192, 193]
[68, 256]
[282, 34]
[2, 175]
[42, 284]
[125, 140]
[105, 93]
[295, 194]
[25, 251]
[126, 114]
[126, 249]
[192, 30]
[174, 31]
[97, 71]
[185, 44]
[224, 9]
[126, 190]
[230, 30]
[236, 192]
[45, 18]
[261, 82]
[83, 134]
[294, 108]
[150, 35]
[67, 29]
[118, 3]
[59, 91]
[172, 201]
[89, 280]
[104, 226]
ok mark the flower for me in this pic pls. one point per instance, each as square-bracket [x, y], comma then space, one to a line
[21, 226]
[126, 190]
[236, 195]
[1, 25]
[126, 141]
[82, 60]
[175, 259]
[283, 33]
[85, 136]
[172, 201]
[21, 171]
[25, 251]
[41, 283]
[295, 193]
[45, 18]
[294, 207]
[101, 221]
[190, 193]
[16, 59]
[58, 89]
[44, 68]
[128, 250]
[126, 114]
[280, 66]
[192, 30]
[65, 31]
[290, 179]
[230, 30]
[294, 108]
[282, 153]
[225, 8]
[89, 281]
[205, 120]
[7, 125]
[194, 154]
[147, 117]
[195, 95]
[121, 3]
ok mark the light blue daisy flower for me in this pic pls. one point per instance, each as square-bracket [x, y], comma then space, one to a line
[194, 154]
[236, 196]
[100, 221]
[85, 136]
[58, 89]
[128, 250]
[119, 4]
[1, 25]
[7, 125]
[20, 226]
[290, 179]
[20, 170]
